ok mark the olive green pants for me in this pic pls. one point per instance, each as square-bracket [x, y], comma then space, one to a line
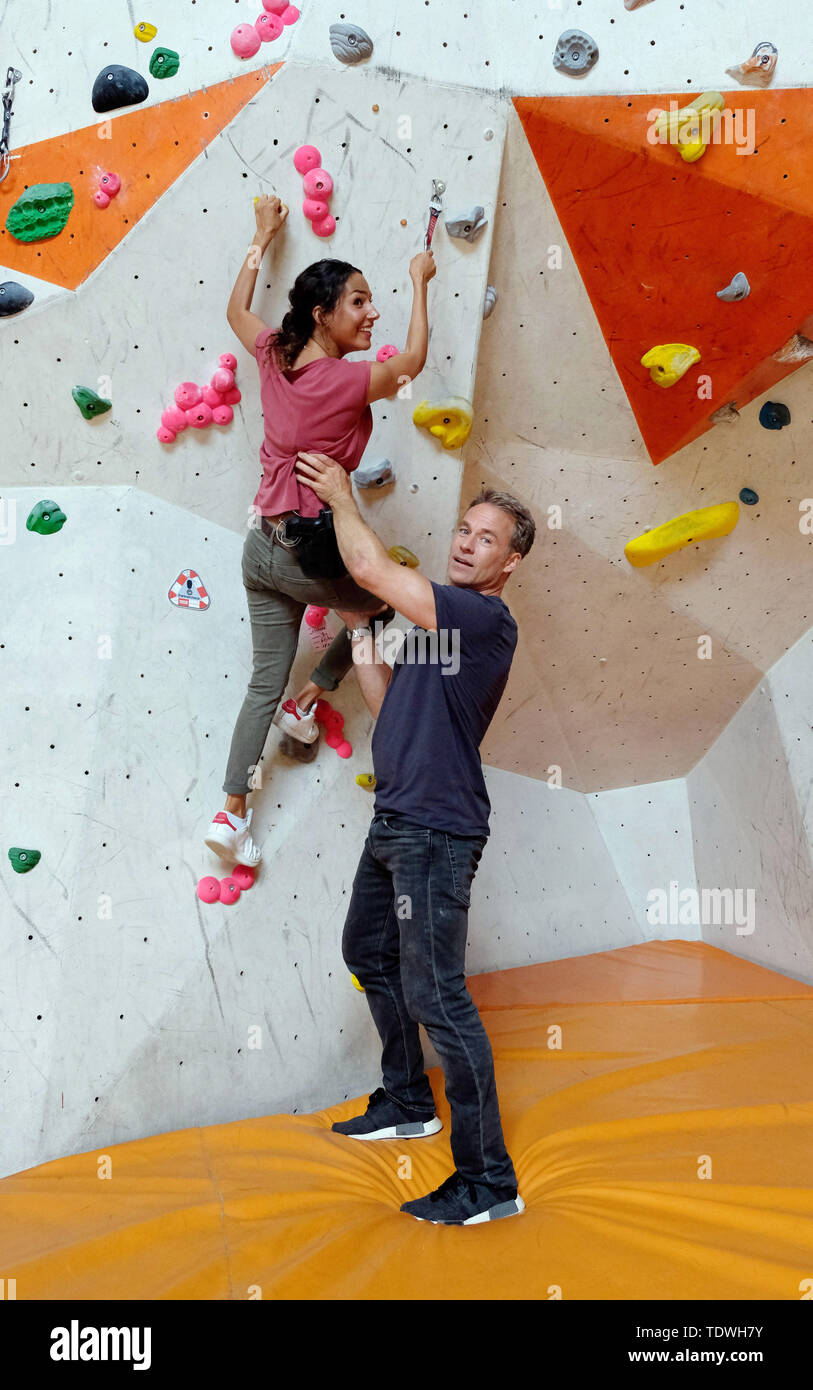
[278, 594]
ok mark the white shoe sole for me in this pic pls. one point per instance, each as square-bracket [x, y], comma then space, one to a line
[410, 1129]
[228, 854]
[513, 1207]
[291, 727]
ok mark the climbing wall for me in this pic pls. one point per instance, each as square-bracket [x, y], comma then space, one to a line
[620, 760]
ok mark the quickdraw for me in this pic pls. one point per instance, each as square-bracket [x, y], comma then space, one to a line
[13, 76]
[435, 209]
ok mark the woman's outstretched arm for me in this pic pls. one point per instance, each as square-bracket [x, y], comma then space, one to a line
[270, 214]
[386, 377]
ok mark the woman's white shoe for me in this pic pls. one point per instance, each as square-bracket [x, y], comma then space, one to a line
[233, 842]
[296, 722]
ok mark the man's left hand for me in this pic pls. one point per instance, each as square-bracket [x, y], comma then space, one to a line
[329, 480]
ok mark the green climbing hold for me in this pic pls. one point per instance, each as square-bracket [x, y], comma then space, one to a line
[40, 212]
[24, 860]
[164, 62]
[89, 403]
[46, 517]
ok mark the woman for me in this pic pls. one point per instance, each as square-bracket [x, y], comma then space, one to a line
[312, 400]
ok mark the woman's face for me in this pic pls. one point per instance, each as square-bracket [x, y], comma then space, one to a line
[350, 325]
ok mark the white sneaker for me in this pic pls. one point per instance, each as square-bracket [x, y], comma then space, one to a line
[297, 722]
[233, 842]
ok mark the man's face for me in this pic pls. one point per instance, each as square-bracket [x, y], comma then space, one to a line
[480, 554]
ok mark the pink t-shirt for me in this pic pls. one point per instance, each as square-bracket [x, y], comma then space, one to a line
[321, 407]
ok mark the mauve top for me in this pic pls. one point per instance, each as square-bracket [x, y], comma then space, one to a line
[322, 408]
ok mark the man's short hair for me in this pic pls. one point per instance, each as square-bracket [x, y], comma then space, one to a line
[524, 531]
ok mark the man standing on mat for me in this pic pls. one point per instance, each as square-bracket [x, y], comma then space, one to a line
[405, 933]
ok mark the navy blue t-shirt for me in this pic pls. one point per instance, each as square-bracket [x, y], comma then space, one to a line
[444, 690]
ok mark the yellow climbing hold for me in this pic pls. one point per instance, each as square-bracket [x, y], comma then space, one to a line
[402, 556]
[450, 420]
[703, 525]
[668, 362]
[145, 32]
[691, 127]
[366, 780]
[356, 983]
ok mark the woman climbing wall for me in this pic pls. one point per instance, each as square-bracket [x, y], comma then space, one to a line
[312, 400]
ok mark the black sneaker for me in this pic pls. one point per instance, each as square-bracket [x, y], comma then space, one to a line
[384, 1119]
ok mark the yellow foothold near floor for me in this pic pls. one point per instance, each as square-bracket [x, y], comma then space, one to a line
[668, 362]
[688, 529]
[450, 420]
[366, 780]
[690, 128]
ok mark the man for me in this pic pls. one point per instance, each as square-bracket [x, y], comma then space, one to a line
[405, 933]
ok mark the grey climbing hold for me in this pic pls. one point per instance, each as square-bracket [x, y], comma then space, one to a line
[774, 415]
[749, 497]
[467, 225]
[350, 43]
[575, 52]
[14, 298]
[727, 414]
[118, 86]
[490, 301]
[739, 288]
[375, 474]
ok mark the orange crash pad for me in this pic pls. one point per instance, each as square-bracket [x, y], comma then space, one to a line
[663, 1152]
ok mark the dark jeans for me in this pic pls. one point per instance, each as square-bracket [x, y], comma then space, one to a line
[405, 941]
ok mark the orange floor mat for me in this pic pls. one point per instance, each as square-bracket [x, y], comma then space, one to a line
[676, 1058]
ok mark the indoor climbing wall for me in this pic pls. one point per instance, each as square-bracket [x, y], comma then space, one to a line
[623, 757]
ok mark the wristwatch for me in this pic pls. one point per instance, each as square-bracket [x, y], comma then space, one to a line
[360, 632]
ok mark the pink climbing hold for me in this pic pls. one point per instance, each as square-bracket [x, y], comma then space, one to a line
[110, 184]
[208, 889]
[317, 183]
[387, 351]
[245, 41]
[269, 26]
[228, 359]
[173, 418]
[164, 435]
[232, 397]
[223, 379]
[326, 227]
[333, 739]
[212, 397]
[275, 6]
[315, 209]
[290, 14]
[187, 394]
[307, 157]
[344, 749]
[243, 875]
[222, 415]
[229, 890]
[314, 616]
[200, 415]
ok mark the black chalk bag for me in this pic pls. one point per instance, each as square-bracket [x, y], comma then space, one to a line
[314, 540]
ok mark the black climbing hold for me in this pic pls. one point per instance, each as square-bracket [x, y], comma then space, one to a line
[118, 86]
[749, 497]
[774, 415]
[13, 298]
